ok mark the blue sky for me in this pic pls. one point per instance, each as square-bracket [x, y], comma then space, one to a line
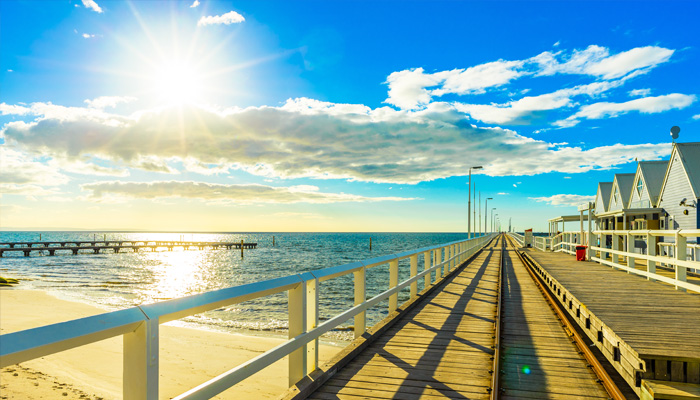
[332, 116]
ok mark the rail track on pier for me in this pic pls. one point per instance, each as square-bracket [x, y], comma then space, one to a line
[490, 332]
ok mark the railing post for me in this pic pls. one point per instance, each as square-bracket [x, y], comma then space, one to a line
[393, 282]
[615, 246]
[450, 256]
[311, 323]
[296, 305]
[414, 272]
[360, 297]
[140, 367]
[426, 266]
[631, 263]
[437, 253]
[681, 254]
[651, 251]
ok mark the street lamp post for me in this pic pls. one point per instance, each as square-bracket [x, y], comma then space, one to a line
[469, 208]
[492, 218]
[486, 213]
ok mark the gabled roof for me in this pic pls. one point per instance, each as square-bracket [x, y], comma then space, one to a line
[653, 173]
[690, 155]
[624, 185]
[604, 188]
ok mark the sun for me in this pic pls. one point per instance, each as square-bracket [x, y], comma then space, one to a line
[177, 82]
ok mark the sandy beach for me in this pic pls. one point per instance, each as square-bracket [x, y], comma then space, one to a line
[188, 357]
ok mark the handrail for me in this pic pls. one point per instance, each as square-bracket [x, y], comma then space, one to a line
[520, 239]
[681, 258]
[139, 325]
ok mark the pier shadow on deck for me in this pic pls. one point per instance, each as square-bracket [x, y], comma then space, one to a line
[440, 349]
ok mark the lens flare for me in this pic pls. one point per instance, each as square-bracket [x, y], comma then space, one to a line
[525, 369]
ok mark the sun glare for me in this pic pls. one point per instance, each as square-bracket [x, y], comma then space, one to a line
[177, 83]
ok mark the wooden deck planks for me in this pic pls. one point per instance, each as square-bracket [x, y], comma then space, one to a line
[538, 360]
[652, 317]
[442, 349]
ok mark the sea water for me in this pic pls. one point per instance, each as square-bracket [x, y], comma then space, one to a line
[125, 279]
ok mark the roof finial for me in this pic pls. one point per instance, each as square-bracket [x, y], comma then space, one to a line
[675, 130]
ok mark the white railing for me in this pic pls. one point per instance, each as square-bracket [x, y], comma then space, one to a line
[680, 256]
[139, 325]
[567, 241]
[542, 243]
[520, 239]
[678, 261]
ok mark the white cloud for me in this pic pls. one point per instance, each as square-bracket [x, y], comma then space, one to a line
[86, 168]
[238, 194]
[645, 105]
[92, 5]
[103, 102]
[408, 88]
[195, 4]
[9, 70]
[478, 78]
[502, 193]
[413, 89]
[572, 200]
[639, 92]
[696, 117]
[530, 109]
[229, 18]
[597, 61]
[7, 109]
[20, 171]
[363, 144]
[88, 36]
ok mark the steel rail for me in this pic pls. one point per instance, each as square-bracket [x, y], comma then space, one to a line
[603, 376]
[495, 377]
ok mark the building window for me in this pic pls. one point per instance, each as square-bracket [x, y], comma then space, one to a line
[615, 196]
[640, 183]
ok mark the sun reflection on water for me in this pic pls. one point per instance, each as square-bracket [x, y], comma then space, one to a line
[176, 273]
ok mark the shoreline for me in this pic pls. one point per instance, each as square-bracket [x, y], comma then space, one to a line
[188, 356]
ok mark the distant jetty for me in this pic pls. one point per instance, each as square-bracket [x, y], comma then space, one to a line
[116, 246]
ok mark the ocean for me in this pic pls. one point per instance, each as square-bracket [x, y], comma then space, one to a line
[116, 281]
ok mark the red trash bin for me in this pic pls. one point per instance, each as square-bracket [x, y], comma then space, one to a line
[580, 253]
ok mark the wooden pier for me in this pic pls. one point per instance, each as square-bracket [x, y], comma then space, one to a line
[649, 332]
[113, 246]
[449, 344]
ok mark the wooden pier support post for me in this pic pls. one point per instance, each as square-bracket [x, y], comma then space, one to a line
[242, 255]
[393, 282]
[297, 322]
[426, 266]
[437, 260]
[311, 323]
[370, 243]
[273, 240]
[414, 272]
[651, 250]
[360, 294]
[681, 254]
[615, 246]
[630, 247]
